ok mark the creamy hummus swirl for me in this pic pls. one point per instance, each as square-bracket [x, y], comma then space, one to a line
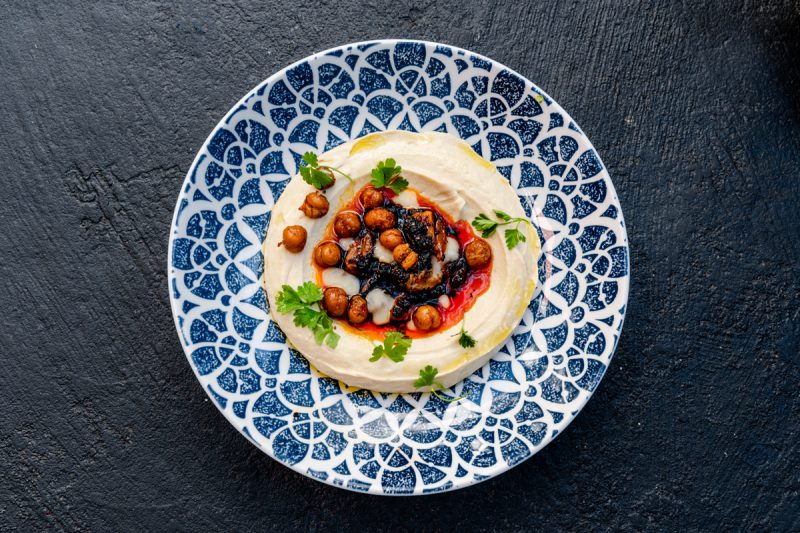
[449, 173]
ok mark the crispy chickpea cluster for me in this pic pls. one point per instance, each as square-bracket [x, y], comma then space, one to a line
[315, 205]
[294, 238]
[478, 253]
[371, 198]
[347, 224]
[327, 254]
[418, 241]
[392, 238]
[334, 301]
[427, 317]
[379, 219]
[357, 311]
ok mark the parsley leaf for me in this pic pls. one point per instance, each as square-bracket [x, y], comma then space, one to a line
[300, 302]
[387, 174]
[310, 159]
[290, 299]
[316, 175]
[427, 377]
[513, 237]
[465, 339]
[487, 227]
[309, 292]
[395, 347]
[502, 215]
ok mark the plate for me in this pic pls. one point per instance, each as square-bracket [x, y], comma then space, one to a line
[366, 441]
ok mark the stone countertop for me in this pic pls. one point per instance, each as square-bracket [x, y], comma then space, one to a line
[695, 110]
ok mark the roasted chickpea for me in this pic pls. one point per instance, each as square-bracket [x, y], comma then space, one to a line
[294, 238]
[327, 254]
[315, 205]
[478, 253]
[392, 238]
[405, 256]
[347, 224]
[357, 312]
[427, 317]
[334, 301]
[380, 219]
[371, 198]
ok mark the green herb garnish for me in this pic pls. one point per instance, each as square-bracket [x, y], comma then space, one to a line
[395, 347]
[302, 301]
[465, 339]
[316, 175]
[427, 378]
[487, 227]
[387, 174]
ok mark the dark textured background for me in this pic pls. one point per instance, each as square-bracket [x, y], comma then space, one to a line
[695, 110]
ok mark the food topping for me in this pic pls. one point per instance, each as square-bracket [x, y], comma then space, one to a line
[301, 302]
[427, 317]
[382, 253]
[334, 301]
[294, 238]
[359, 254]
[316, 175]
[379, 219]
[315, 205]
[380, 305]
[452, 251]
[387, 174]
[347, 224]
[465, 340]
[357, 312]
[405, 256]
[336, 277]
[427, 378]
[391, 238]
[395, 347]
[408, 269]
[478, 253]
[371, 197]
[327, 254]
[487, 227]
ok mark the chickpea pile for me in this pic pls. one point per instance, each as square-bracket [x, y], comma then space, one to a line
[379, 224]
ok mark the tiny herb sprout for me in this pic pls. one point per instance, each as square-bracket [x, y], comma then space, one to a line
[387, 174]
[427, 378]
[316, 175]
[465, 339]
[395, 347]
[301, 302]
[487, 227]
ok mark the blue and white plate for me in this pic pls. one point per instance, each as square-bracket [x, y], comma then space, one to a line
[398, 443]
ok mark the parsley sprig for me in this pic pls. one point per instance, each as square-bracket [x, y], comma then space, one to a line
[427, 378]
[387, 174]
[304, 303]
[395, 347]
[487, 227]
[316, 175]
[465, 339]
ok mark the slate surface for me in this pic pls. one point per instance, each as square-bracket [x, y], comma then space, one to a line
[695, 110]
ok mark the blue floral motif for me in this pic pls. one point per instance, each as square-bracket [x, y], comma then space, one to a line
[389, 443]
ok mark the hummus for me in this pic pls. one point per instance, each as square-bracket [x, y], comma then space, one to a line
[448, 173]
